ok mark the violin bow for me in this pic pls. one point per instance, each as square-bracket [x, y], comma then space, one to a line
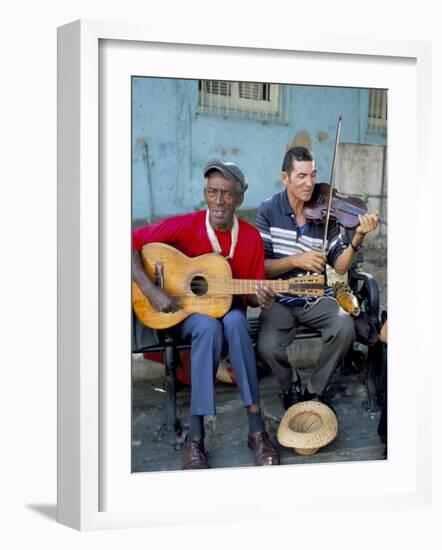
[332, 176]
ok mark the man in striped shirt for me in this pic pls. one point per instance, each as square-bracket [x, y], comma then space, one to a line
[293, 246]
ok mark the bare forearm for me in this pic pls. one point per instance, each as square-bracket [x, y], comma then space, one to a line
[313, 261]
[139, 275]
[274, 268]
[346, 259]
[367, 224]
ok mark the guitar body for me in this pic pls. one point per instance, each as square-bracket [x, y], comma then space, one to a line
[192, 280]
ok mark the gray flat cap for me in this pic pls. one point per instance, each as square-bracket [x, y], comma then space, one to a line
[229, 170]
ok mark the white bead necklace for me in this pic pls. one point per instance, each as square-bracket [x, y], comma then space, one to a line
[214, 239]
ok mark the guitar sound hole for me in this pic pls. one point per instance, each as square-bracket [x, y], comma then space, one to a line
[199, 285]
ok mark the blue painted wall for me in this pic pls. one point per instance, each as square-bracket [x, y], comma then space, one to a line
[171, 141]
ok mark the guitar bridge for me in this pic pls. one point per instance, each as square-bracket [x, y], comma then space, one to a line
[159, 274]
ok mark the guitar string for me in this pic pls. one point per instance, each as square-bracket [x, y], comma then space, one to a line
[250, 285]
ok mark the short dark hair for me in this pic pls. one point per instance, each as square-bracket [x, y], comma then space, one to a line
[296, 153]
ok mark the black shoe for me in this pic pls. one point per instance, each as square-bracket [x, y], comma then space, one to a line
[292, 396]
[307, 396]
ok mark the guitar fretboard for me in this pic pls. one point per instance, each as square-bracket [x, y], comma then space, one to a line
[248, 286]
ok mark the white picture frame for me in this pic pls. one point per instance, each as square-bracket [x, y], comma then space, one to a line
[85, 207]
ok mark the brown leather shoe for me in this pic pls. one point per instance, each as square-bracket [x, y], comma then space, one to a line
[265, 453]
[194, 456]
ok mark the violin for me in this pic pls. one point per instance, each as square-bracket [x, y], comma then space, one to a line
[344, 209]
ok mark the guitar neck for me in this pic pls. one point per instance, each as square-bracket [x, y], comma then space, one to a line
[248, 286]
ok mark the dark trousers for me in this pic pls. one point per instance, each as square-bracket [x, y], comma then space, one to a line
[278, 330]
[382, 426]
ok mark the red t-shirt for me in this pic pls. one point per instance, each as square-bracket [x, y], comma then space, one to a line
[188, 234]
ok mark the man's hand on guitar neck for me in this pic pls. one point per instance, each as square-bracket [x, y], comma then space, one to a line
[263, 298]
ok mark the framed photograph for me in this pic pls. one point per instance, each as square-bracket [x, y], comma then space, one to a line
[100, 67]
[177, 126]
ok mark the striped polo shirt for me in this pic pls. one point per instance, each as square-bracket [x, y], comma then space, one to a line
[282, 237]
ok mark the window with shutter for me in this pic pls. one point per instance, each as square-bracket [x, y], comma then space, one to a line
[377, 111]
[248, 99]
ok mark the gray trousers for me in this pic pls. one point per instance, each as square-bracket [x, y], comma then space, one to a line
[278, 330]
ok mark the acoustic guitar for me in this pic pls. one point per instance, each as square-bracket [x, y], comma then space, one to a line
[203, 284]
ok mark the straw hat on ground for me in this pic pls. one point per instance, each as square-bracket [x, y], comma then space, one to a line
[307, 426]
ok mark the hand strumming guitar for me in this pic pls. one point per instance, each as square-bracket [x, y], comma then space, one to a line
[161, 301]
[157, 297]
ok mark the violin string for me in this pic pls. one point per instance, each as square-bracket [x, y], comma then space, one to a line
[350, 208]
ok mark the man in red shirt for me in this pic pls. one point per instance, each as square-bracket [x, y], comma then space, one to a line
[218, 230]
